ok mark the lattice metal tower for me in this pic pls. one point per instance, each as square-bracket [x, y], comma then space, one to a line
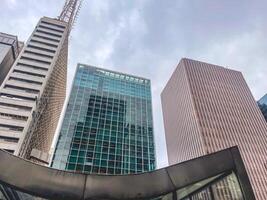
[33, 93]
[70, 12]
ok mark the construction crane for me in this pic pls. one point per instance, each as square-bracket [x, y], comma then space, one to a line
[70, 12]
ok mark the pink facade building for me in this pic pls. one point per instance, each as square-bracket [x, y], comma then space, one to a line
[207, 108]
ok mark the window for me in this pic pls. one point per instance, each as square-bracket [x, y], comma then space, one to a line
[32, 66]
[35, 60]
[11, 127]
[9, 139]
[28, 90]
[25, 80]
[41, 49]
[55, 25]
[29, 73]
[11, 116]
[38, 54]
[52, 29]
[44, 43]
[26, 108]
[46, 38]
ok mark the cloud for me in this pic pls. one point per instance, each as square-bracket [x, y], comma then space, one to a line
[11, 4]
[149, 37]
[245, 53]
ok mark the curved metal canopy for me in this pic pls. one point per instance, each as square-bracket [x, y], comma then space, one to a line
[55, 184]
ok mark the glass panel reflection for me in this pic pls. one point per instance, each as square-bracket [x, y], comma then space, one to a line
[219, 187]
[215, 188]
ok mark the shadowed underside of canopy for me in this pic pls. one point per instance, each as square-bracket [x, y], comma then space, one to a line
[180, 180]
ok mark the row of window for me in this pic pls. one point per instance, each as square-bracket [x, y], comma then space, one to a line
[115, 137]
[13, 116]
[29, 73]
[38, 54]
[112, 140]
[46, 38]
[113, 76]
[15, 97]
[110, 154]
[35, 46]
[15, 107]
[133, 151]
[118, 146]
[62, 27]
[101, 122]
[133, 114]
[117, 150]
[109, 83]
[111, 160]
[121, 166]
[36, 60]
[91, 103]
[112, 111]
[102, 155]
[120, 89]
[132, 144]
[106, 97]
[129, 93]
[8, 139]
[92, 127]
[25, 80]
[118, 137]
[104, 170]
[107, 127]
[40, 69]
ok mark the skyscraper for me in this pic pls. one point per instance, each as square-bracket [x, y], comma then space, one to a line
[207, 108]
[263, 106]
[108, 126]
[10, 48]
[33, 88]
[33, 93]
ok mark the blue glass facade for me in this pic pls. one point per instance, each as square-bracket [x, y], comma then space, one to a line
[108, 126]
[263, 106]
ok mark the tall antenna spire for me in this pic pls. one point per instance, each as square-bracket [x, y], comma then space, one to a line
[70, 12]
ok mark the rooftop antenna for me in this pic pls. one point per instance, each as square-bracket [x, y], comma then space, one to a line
[70, 12]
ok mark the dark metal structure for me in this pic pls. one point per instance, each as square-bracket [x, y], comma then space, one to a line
[179, 181]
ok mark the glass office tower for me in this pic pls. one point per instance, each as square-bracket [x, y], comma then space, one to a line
[108, 126]
[263, 106]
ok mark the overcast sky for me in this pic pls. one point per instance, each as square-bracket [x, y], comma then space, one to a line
[149, 37]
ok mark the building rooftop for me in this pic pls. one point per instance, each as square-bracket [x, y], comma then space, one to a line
[119, 75]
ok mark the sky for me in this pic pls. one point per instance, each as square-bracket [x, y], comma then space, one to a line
[148, 38]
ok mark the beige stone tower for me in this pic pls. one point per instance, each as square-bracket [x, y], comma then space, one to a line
[33, 93]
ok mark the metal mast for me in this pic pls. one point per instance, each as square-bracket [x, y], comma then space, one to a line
[70, 12]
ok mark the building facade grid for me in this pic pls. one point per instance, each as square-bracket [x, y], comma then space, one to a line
[108, 126]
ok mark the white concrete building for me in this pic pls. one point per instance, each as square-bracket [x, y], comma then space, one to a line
[33, 92]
